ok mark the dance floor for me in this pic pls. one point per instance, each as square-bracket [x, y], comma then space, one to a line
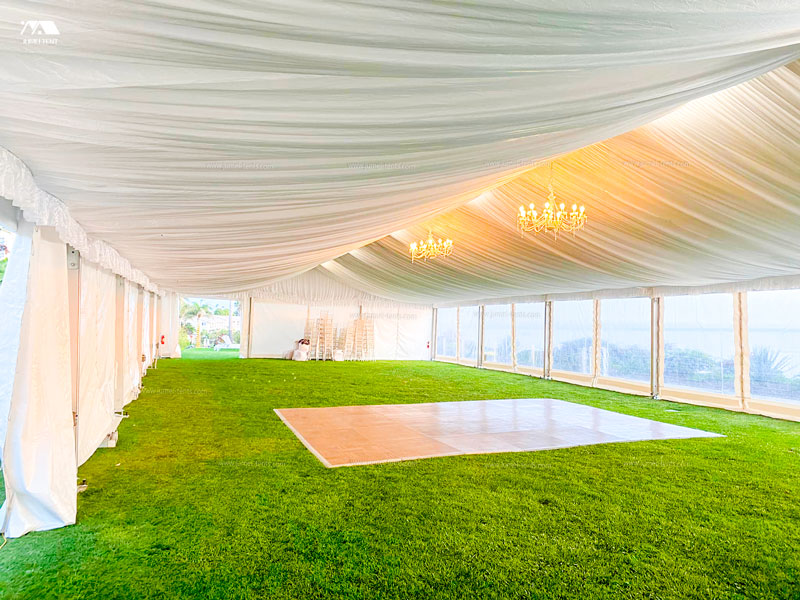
[358, 435]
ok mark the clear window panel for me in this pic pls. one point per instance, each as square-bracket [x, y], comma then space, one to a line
[6, 244]
[573, 324]
[497, 334]
[529, 326]
[774, 336]
[698, 342]
[468, 332]
[625, 338]
[446, 332]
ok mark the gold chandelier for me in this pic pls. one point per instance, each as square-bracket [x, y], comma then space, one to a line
[554, 217]
[430, 248]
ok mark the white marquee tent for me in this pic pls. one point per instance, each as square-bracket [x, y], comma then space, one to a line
[285, 155]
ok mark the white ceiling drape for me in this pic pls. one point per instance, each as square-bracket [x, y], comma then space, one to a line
[221, 147]
[704, 196]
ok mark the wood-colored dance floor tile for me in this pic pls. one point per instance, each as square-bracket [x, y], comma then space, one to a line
[358, 435]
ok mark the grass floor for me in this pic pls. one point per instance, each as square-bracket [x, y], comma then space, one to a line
[209, 495]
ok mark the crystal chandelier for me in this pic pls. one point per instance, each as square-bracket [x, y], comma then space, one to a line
[430, 248]
[554, 217]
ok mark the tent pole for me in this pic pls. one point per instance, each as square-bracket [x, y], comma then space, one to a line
[74, 301]
[513, 338]
[547, 359]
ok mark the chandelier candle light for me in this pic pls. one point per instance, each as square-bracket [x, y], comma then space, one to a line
[554, 217]
[430, 248]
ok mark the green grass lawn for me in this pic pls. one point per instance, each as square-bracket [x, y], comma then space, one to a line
[209, 495]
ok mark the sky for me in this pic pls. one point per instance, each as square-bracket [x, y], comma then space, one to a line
[7, 239]
[215, 304]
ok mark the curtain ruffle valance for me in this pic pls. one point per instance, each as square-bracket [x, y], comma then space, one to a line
[39, 207]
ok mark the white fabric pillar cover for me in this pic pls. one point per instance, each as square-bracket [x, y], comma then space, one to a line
[120, 343]
[13, 294]
[97, 358]
[39, 454]
[154, 344]
[548, 339]
[244, 339]
[596, 341]
[655, 348]
[742, 349]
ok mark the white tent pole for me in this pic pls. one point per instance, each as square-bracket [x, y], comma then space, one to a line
[656, 346]
[458, 334]
[434, 325]
[74, 303]
[138, 333]
[596, 341]
[513, 338]
[119, 336]
[547, 359]
[249, 327]
[479, 357]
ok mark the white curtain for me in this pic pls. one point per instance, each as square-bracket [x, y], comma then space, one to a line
[386, 334]
[146, 332]
[415, 328]
[275, 328]
[401, 332]
[39, 463]
[169, 319]
[13, 295]
[244, 345]
[154, 326]
[320, 288]
[132, 355]
[97, 358]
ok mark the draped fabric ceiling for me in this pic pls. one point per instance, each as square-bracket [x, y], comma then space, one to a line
[224, 147]
[709, 194]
